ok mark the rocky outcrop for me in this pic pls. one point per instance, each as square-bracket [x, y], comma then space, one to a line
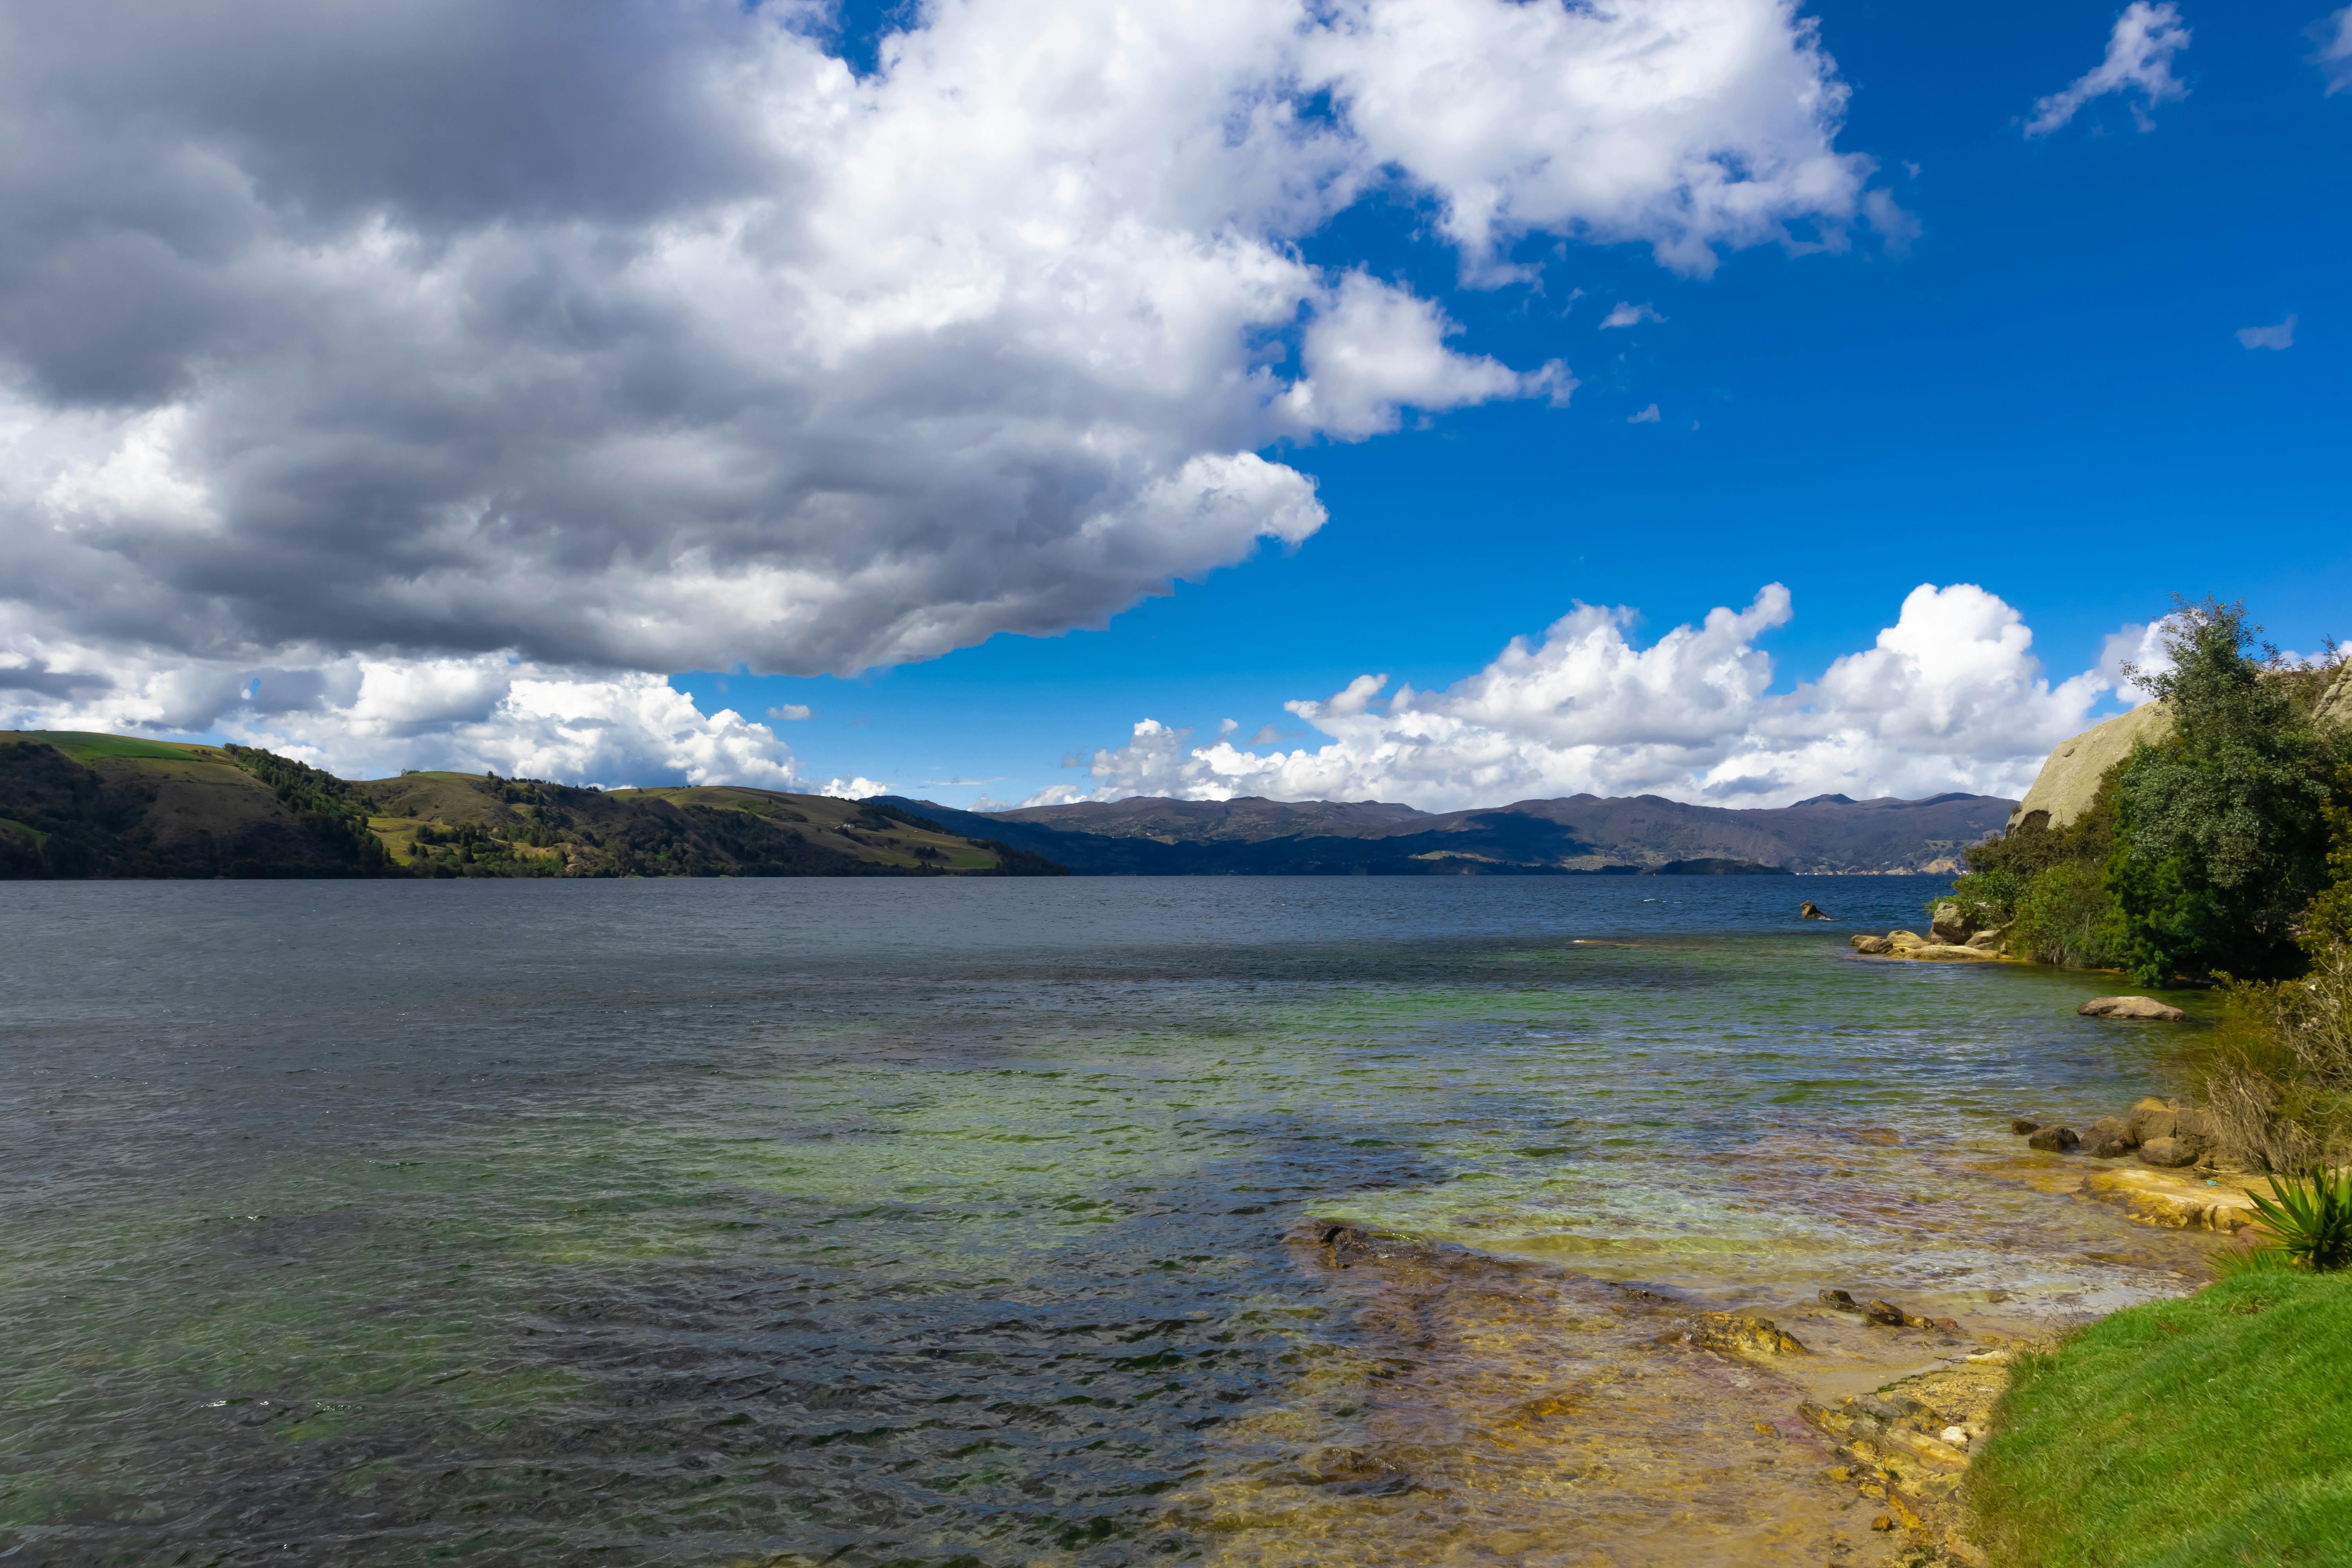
[2335, 709]
[2147, 1007]
[2070, 775]
[1808, 910]
[1908, 1447]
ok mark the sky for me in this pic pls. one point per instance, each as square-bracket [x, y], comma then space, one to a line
[1440, 401]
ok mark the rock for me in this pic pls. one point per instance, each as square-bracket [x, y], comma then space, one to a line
[2069, 777]
[2054, 1140]
[1905, 939]
[1869, 943]
[1841, 1300]
[1807, 910]
[1989, 940]
[1946, 951]
[2170, 1202]
[1743, 1333]
[1955, 1437]
[2150, 1118]
[2147, 1007]
[1949, 922]
[2108, 1137]
[1894, 1317]
[2022, 1126]
[2168, 1153]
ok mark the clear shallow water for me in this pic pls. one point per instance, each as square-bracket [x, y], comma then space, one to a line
[975, 1223]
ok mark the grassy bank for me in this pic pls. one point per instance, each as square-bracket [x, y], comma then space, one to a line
[2188, 1434]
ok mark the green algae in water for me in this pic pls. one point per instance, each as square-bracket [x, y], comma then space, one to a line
[720, 1222]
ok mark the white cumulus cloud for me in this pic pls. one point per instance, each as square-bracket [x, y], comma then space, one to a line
[648, 336]
[1625, 315]
[1950, 697]
[2138, 67]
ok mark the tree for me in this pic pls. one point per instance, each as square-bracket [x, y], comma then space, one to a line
[2220, 840]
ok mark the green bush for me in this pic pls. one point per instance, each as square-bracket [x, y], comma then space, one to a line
[2066, 916]
[2221, 839]
[2311, 1216]
[1989, 896]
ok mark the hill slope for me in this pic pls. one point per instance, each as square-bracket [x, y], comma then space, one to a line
[1579, 834]
[76, 805]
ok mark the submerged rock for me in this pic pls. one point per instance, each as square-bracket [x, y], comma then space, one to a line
[2022, 1125]
[2054, 1139]
[1743, 1333]
[2147, 1007]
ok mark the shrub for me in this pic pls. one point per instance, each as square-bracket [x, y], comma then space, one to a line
[2311, 1215]
[2066, 916]
[1989, 897]
[2221, 842]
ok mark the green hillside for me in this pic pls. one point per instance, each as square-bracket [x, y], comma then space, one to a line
[81, 805]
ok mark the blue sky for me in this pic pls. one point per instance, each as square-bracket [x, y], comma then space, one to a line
[665, 351]
[2043, 395]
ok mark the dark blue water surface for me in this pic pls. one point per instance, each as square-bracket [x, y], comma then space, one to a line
[934, 1222]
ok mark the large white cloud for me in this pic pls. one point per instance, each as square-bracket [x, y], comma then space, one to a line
[647, 336]
[1950, 697]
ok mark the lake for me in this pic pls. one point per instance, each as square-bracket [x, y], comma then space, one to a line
[979, 1223]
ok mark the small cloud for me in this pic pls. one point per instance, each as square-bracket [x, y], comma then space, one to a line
[2139, 63]
[792, 711]
[961, 783]
[1647, 416]
[858, 788]
[2335, 55]
[1694, 424]
[1626, 315]
[1271, 734]
[2279, 337]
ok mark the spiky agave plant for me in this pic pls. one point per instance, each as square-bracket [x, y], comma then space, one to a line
[2311, 1215]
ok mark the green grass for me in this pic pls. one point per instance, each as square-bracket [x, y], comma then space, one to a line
[2190, 1434]
[81, 745]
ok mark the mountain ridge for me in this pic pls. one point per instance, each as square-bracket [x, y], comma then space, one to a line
[1570, 834]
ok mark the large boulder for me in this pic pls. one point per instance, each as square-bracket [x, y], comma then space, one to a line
[2150, 1118]
[2070, 775]
[1990, 940]
[1870, 943]
[1951, 922]
[1902, 938]
[2168, 1153]
[2147, 1007]
[2054, 1140]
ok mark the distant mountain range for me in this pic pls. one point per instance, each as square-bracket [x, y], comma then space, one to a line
[1580, 834]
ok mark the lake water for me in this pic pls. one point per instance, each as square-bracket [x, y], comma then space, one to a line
[977, 1222]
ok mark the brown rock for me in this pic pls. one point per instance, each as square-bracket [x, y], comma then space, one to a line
[1905, 939]
[2150, 1118]
[1808, 910]
[1869, 943]
[1987, 940]
[1742, 1333]
[1950, 923]
[2054, 1139]
[2168, 1153]
[2022, 1125]
[2109, 1138]
[2145, 1007]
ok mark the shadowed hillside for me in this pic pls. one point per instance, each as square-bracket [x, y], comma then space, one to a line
[81, 805]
